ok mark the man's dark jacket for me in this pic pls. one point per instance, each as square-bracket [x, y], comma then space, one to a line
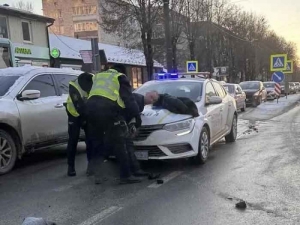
[177, 105]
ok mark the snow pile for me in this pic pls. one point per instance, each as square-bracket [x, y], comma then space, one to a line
[271, 109]
[70, 48]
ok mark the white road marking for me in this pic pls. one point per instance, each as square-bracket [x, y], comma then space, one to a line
[101, 216]
[70, 185]
[166, 179]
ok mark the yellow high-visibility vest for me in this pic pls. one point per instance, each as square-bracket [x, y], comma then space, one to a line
[70, 106]
[106, 84]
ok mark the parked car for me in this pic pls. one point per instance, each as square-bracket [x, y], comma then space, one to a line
[238, 94]
[255, 92]
[270, 88]
[32, 115]
[297, 84]
[164, 135]
[292, 88]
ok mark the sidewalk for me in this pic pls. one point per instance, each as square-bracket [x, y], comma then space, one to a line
[271, 109]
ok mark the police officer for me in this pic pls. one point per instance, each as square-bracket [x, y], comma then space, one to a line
[76, 110]
[108, 98]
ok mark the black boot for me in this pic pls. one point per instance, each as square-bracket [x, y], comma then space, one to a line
[71, 171]
[130, 180]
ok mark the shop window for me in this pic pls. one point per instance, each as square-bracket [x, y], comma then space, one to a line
[137, 80]
[63, 82]
[3, 27]
[44, 84]
[26, 31]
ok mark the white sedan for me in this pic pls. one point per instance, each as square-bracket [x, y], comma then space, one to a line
[164, 135]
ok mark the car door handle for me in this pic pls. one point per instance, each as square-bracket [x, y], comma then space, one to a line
[221, 110]
[59, 106]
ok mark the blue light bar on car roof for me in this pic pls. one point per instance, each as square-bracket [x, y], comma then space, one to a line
[166, 76]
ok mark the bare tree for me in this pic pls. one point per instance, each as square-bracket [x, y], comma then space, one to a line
[28, 6]
[118, 15]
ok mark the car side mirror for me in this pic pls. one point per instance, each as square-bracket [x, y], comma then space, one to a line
[213, 100]
[29, 95]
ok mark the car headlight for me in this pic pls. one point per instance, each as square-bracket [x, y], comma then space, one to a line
[180, 128]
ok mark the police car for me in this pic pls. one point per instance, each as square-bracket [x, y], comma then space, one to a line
[164, 135]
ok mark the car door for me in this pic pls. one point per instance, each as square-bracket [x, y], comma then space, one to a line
[62, 81]
[213, 114]
[223, 106]
[39, 117]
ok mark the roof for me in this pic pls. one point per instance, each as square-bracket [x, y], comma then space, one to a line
[69, 48]
[24, 70]
[8, 10]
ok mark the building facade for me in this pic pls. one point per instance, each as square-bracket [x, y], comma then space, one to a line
[79, 19]
[21, 27]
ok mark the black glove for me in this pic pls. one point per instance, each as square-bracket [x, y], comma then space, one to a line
[138, 121]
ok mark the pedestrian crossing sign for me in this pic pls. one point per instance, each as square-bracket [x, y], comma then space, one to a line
[192, 66]
[278, 62]
[289, 67]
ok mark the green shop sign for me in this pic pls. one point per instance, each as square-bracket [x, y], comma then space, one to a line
[25, 51]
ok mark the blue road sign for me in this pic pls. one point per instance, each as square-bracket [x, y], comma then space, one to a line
[278, 62]
[192, 66]
[278, 77]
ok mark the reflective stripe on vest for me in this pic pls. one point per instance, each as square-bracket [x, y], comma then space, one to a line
[70, 106]
[106, 84]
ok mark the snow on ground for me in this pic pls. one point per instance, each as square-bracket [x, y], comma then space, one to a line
[271, 109]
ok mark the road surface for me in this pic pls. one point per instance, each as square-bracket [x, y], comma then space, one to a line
[262, 168]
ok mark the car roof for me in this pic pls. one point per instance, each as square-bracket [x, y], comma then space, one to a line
[231, 84]
[252, 81]
[25, 70]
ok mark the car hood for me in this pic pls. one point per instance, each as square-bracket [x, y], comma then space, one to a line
[250, 91]
[153, 115]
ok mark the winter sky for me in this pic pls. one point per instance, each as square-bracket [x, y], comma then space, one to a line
[283, 15]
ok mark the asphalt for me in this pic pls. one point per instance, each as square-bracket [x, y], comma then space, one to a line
[261, 168]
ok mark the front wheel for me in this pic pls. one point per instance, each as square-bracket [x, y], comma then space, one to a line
[231, 137]
[203, 148]
[8, 152]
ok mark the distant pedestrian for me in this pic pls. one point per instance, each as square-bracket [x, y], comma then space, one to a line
[109, 96]
[77, 118]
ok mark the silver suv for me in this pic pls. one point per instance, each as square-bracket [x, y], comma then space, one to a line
[32, 114]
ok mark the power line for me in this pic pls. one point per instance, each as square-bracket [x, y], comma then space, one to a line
[63, 41]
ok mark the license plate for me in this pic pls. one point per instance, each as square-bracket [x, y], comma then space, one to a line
[141, 155]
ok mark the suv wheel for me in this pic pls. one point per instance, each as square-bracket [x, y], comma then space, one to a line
[231, 137]
[8, 152]
[203, 148]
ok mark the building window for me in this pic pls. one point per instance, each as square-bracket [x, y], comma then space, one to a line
[26, 31]
[3, 27]
[136, 77]
[85, 26]
[85, 10]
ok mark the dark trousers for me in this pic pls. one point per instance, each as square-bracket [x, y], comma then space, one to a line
[104, 133]
[74, 127]
[133, 162]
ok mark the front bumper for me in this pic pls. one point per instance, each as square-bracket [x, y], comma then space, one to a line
[160, 144]
[251, 99]
[271, 96]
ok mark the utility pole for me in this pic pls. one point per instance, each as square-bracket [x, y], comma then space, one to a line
[95, 55]
[168, 36]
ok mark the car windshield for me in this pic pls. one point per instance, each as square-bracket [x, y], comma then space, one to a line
[191, 90]
[269, 85]
[250, 85]
[6, 82]
[229, 88]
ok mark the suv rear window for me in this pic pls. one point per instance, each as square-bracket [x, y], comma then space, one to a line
[6, 82]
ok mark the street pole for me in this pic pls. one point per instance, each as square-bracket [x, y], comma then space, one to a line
[95, 55]
[168, 36]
